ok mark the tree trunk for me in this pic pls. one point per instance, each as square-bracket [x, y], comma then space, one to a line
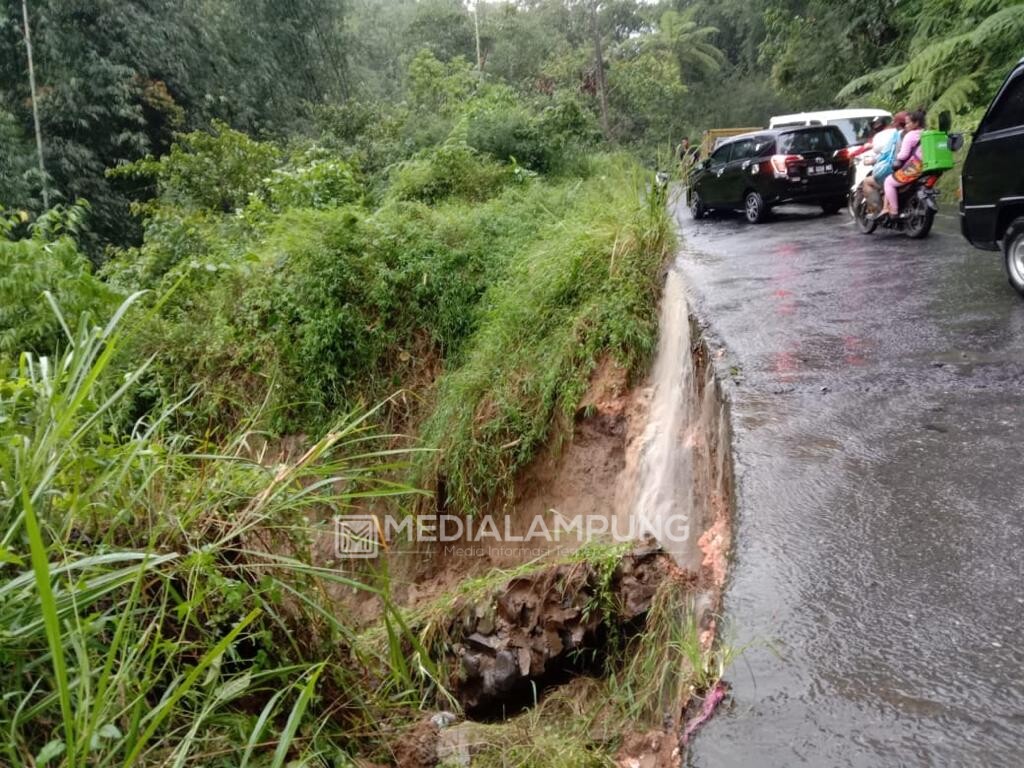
[35, 107]
[602, 91]
[476, 29]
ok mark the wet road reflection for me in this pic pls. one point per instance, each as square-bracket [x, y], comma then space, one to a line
[878, 399]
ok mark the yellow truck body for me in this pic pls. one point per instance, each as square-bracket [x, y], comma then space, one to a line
[711, 137]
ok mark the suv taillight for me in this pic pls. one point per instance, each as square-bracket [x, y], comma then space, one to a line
[842, 154]
[781, 163]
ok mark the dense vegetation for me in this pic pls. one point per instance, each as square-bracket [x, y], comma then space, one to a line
[115, 82]
[404, 231]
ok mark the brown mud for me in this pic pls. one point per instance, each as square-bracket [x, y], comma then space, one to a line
[582, 476]
[660, 449]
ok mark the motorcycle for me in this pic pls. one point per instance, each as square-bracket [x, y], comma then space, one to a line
[918, 207]
[918, 200]
[861, 171]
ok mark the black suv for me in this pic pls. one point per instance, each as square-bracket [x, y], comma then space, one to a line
[755, 171]
[992, 184]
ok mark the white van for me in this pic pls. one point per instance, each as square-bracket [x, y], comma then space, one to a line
[854, 123]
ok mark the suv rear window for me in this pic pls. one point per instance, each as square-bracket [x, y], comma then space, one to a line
[763, 145]
[828, 138]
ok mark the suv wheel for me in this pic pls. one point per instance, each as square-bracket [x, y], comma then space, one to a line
[754, 208]
[1013, 253]
[833, 206]
[697, 209]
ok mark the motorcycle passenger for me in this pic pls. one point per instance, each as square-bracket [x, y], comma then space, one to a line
[908, 162]
[884, 147]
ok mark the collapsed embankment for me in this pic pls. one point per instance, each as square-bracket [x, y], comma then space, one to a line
[640, 620]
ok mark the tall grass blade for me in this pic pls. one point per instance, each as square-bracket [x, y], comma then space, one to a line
[260, 726]
[48, 606]
[295, 718]
[167, 705]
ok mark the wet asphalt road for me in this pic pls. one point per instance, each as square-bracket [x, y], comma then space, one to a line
[877, 388]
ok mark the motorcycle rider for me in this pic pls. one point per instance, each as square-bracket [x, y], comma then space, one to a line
[883, 147]
[907, 164]
[868, 148]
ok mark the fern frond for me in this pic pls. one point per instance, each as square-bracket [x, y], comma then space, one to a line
[987, 7]
[1005, 27]
[933, 22]
[956, 98]
[701, 59]
[870, 81]
[933, 58]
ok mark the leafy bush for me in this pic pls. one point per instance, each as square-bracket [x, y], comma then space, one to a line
[453, 169]
[585, 288]
[440, 86]
[210, 221]
[371, 136]
[215, 171]
[332, 306]
[318, 307]
[49, 261]
[176, 240]
[313, 179]
[501, 125]
[506, 131]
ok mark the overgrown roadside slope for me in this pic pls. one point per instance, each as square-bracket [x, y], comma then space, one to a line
[152, 548]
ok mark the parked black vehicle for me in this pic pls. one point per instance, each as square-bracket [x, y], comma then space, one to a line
[992, 184]
[756, 171]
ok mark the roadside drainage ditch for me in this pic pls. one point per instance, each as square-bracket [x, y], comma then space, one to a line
[539, 630]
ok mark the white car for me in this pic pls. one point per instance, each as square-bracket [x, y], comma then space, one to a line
[854, 123]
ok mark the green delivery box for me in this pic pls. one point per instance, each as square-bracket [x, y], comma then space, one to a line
[935, 151]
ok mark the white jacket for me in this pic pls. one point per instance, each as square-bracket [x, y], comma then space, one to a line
[878, 143]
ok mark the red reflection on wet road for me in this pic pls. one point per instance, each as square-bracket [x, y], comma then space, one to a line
[785, 362]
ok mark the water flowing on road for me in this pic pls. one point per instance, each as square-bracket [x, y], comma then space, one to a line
[682, 481]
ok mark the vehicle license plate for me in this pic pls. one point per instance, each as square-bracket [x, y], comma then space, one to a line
[815, 170]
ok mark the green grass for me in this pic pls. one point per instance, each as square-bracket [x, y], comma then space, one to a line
[574, 727]
[667, 664]
[160, 603]
[586, 288]
[171, 608]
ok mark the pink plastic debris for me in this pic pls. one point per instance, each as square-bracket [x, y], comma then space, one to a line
[713, 698]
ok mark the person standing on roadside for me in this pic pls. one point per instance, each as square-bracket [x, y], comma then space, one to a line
[683, 148]
[687, 157]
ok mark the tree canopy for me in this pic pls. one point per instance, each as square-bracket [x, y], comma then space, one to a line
[117, 81]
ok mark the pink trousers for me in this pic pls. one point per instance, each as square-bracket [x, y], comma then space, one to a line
[891, 195]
